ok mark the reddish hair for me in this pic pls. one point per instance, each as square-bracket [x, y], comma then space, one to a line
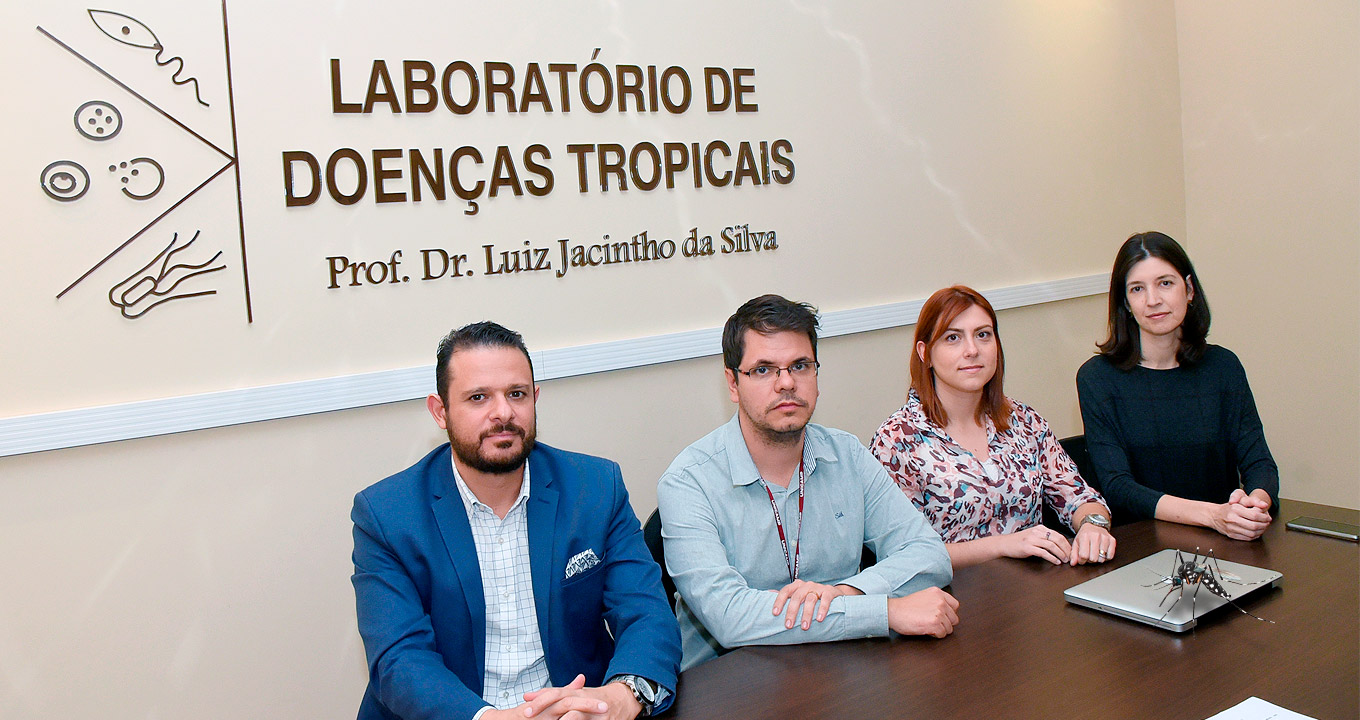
[936, 315]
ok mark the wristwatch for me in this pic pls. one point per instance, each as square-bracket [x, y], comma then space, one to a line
[1096, 519]
[646, 692]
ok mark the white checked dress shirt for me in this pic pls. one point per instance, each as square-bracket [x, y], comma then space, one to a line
[514, 650]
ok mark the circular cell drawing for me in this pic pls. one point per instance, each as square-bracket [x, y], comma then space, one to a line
[65, 180]
[98, 120]
[137, 184]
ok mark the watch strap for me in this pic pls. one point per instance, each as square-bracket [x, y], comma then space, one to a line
[1101, 522]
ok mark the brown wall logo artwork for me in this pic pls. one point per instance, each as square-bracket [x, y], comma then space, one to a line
[178, 269]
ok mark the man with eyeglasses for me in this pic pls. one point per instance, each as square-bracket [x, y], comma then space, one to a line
[764, 519]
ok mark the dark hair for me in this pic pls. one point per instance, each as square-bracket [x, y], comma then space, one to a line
[478, 334]
[1123, 347]
[766, 315]
[936, 314]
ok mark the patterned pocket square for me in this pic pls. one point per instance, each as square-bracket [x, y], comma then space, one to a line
[581, 562]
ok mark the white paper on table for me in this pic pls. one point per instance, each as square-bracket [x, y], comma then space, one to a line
[1255, 708]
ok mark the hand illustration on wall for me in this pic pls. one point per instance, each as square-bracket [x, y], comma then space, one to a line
[158, 281]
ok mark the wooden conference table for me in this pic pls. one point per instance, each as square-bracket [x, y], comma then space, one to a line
[1021, 651]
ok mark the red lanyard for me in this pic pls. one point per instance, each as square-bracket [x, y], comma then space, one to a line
[791, 564]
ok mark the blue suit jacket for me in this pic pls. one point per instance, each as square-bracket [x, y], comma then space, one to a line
[418, 586]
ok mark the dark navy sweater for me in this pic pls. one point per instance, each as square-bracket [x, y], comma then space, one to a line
[1191, 432]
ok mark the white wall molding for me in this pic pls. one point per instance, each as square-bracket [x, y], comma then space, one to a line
[125, 421]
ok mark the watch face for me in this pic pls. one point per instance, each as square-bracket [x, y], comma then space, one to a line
[643, 689]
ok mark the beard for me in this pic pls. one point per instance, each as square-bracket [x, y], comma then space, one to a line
[470, 452]
[780, 438]
[790, 434]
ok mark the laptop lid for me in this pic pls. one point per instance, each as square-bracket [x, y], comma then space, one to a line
[1144, 590]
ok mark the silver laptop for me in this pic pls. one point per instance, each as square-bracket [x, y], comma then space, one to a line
[1144, 590]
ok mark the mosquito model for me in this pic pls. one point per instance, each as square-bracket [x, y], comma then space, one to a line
[1199, 571]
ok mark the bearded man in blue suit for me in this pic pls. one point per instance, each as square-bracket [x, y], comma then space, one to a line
[499, 577]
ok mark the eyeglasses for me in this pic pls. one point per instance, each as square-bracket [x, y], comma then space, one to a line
[801, 370]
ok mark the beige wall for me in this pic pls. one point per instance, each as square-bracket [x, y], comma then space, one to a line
[933, 137]
[1270, 96]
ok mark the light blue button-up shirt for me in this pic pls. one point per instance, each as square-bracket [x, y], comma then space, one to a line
[723, 550]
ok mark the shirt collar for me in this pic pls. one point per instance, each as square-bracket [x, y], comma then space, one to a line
[742, 469]
[470, 500]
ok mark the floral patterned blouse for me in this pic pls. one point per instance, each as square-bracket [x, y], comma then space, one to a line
[954, 490]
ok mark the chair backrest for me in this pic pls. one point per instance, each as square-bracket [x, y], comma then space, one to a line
[1075, 447]
[651, 534]
[867, 558]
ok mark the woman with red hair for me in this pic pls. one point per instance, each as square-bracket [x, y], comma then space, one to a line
[978, 464]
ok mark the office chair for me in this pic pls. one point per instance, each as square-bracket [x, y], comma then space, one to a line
[651, 534]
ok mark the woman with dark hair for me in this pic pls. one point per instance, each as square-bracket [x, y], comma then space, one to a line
[978, 464]
[1170, 421]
